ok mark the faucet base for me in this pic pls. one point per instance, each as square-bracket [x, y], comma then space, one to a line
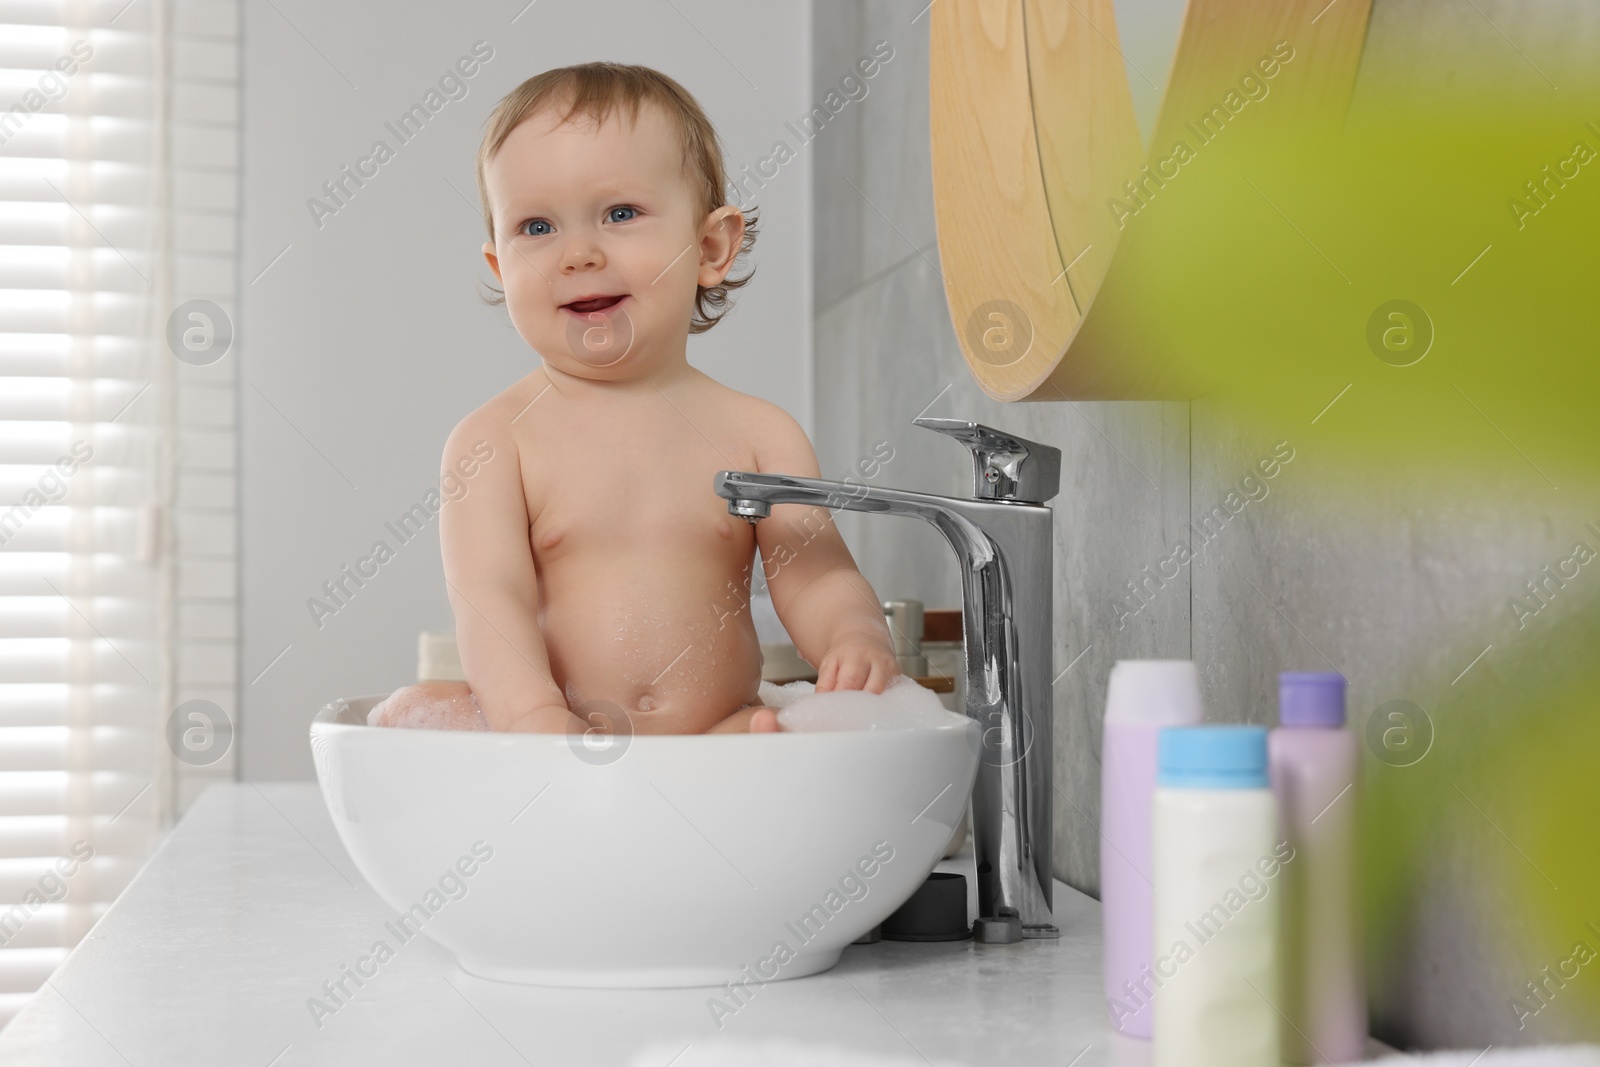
[997, 930]
[1008, 930]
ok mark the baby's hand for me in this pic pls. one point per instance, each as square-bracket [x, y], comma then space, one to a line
[857, 663]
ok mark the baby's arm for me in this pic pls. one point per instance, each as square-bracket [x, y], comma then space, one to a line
[489, 572]
[826, 605]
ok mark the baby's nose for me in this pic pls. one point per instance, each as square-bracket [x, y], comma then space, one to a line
[580, 254]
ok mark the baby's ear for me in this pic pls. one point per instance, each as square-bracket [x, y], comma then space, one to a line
[720, 240]
[494, 260]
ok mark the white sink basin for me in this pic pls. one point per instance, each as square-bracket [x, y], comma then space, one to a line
[662, 861]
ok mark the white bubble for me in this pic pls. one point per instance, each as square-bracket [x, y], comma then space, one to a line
[903, 705]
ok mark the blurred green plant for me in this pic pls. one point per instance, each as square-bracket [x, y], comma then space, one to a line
[1419, 285]
[1514, 769]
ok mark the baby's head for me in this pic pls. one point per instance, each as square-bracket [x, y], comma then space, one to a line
[606, 180]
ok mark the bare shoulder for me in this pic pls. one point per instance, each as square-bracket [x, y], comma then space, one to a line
[774, 436]
[495, 421]
[487, 449]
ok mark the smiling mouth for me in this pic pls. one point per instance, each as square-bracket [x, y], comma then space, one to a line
[599, 303]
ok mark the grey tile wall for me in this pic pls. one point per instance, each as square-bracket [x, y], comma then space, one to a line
[871, 174]
[1399, 583]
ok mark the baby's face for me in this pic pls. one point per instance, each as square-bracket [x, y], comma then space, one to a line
[581, 212]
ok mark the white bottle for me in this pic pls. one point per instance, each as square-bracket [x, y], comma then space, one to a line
[1315, 762]
[1143, 697]
[1216, 859]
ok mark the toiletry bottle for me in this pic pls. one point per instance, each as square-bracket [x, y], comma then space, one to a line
[1314, 763]
[1216, 857]
[905, 631]
[1142, 697]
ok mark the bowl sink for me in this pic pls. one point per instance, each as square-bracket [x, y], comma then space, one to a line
[654, 861]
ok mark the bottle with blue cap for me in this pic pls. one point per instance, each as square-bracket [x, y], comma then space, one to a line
[1217, 861]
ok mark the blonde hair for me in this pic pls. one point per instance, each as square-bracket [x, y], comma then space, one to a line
[596, 90]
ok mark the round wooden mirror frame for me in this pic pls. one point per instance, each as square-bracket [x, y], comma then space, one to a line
[1033, 134]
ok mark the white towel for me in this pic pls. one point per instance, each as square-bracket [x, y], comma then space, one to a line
[1537, 1056]
[734, 1052]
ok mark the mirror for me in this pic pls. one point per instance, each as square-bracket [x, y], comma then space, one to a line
[1147, 34]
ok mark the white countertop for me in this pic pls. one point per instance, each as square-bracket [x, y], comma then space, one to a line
[212, 953]
[251, 904]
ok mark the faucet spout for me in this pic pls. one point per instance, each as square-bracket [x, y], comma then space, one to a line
[1003, 548]
[754, 494]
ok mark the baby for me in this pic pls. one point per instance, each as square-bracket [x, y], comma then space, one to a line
[598, 583]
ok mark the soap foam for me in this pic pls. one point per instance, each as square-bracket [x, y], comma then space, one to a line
[904, 705]
[801, 709]
[418, 710]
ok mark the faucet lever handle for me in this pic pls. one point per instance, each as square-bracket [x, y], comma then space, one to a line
[1004, 466]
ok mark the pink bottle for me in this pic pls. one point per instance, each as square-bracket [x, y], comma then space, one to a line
[1143, 697]
[1314, 766]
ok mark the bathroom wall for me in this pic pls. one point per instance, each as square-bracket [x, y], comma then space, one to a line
[1394, 581]
[362, 338]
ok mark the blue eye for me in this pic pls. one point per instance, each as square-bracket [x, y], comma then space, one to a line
[611, 215]
[535, 222]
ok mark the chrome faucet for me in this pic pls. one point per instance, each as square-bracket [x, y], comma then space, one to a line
[1002, 539]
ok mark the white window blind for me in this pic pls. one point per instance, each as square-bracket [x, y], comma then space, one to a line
[118, 187]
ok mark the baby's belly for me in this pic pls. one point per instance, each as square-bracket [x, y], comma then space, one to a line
[672, 647]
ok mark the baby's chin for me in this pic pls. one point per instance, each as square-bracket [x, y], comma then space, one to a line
[638, 360]
[601, 348]
[622, 370]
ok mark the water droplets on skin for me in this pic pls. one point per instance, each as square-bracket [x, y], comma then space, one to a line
[649, 658]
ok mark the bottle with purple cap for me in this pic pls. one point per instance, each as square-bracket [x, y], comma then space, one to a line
[1314, 764]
